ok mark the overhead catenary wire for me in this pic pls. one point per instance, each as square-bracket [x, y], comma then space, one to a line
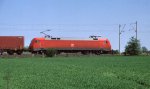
[65, 29]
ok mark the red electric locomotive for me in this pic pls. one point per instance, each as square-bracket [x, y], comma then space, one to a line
[94, 44]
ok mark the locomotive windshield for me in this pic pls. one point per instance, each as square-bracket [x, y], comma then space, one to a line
[37, 41]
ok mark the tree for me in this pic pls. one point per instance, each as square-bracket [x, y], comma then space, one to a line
[133, 47]
[144, 49]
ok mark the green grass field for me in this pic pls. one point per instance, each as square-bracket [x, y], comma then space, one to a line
[83, 72]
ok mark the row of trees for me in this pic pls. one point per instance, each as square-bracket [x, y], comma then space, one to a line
[133, 47]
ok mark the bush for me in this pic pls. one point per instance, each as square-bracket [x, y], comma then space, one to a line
[50, 52]
[115, 51]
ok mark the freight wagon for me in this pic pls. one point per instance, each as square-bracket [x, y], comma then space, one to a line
[93, 44]
[11, 44]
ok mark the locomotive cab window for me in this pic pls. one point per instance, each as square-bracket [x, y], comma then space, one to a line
[37, 41]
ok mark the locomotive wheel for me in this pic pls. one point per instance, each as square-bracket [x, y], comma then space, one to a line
[85, 52]
[1, 52]
[19, 52]
[98, 52]
[10, 52]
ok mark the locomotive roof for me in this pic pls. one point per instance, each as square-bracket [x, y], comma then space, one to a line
[70, 38]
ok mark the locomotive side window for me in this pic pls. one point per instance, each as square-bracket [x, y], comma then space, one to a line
[105, 42]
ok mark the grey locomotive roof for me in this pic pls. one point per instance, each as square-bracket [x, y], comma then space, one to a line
[69, 38]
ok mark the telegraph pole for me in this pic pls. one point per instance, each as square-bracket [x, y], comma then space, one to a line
[120, 32]
[136, 29]
[119, 37]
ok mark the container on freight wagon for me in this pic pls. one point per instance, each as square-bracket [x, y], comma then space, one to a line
[11, 44]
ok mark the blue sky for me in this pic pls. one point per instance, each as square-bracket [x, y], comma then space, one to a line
[76, 18]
